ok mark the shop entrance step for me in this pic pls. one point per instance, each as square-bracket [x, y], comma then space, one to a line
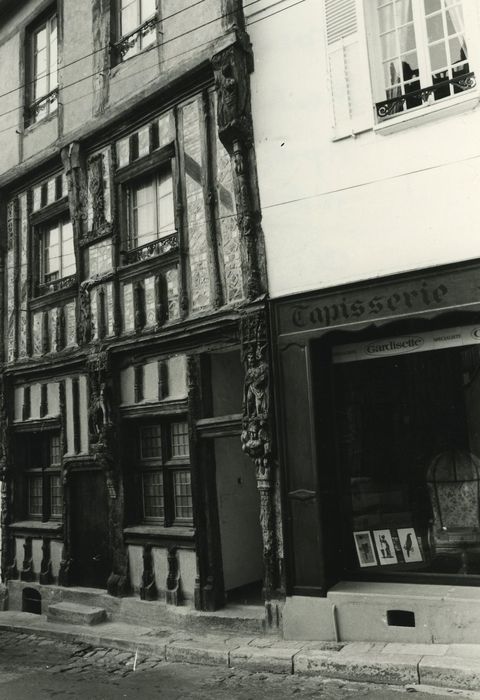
[76, 614]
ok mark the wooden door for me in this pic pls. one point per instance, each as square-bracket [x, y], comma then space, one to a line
[90, 549]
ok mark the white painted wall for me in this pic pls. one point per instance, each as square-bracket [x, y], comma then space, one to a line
[367, 206]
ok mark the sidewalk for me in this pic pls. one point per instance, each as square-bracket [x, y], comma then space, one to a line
[455, 666]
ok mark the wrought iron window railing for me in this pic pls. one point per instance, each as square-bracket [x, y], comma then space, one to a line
[54, 285]
[417, 98]
[34, 109]
[160, 246]
[128, 41]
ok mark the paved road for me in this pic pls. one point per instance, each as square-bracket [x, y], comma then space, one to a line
[34, 668]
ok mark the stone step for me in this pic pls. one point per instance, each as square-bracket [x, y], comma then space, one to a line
[76, 614]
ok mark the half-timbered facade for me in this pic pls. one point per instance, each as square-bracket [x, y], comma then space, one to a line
[136, 421]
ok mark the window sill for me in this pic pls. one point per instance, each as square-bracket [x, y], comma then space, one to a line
[37, 527]
[428, 113]
[159, 535]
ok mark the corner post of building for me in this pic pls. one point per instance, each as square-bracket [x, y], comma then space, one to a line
[232, 69]
[103, 435]
[256, 438]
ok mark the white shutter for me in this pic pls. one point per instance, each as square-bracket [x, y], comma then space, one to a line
[349, 76]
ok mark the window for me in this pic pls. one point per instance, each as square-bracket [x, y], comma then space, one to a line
[57, 254]
[151, 209]
[43, 70]
[408, 447]
[40, 456]
[423, 53]
[408, 53]
[137, 26]
[166, 490]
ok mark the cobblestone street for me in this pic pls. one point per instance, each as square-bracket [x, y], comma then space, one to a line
[34, 668]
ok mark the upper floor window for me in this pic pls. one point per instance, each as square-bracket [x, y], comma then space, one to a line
[386, 57]
[137, 26]
[43, 70]
[57, 254]
[424, 53]
[151, 209]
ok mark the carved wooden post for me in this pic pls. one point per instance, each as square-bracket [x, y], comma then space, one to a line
[231, 68]
[27, 573]
[103, 441]
[173, 592]
[148, 589]
[8, 563]
[256, 436]
[46, 565]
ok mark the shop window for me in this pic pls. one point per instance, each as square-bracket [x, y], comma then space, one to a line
[56, 252]
[163, 463]
[43, 74]
[151, 209]
[41, 459]
[411, 54]
[408, 445]
[137, 26]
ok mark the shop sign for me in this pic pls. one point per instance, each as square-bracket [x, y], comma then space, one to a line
[382, 301]
[405, 344]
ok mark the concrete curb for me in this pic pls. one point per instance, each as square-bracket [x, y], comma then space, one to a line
[412, 665]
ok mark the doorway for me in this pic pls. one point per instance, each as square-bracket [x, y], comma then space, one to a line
[90, 549]
[239, 520]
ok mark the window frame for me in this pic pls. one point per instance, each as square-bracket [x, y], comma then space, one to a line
[168, 465]
[425, 77]
[42, 229]
[123, 43]
[39, 465]
[50, 97]
[153, 177]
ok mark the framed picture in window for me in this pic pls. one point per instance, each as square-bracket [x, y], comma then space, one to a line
[365, 551]
[385, 547]
[409, 543]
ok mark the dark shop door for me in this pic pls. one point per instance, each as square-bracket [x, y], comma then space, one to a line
[90, 550]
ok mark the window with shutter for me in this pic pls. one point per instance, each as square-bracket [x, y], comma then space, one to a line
[389, 57]
[352, 104]
[421, 52]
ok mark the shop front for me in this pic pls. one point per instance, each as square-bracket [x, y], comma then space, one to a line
[379, 409]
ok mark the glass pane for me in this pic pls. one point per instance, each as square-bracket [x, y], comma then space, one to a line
[392, 72]
[406, 38]
[148, 9]
[40, 63]
[182, 492]
[166, 220]
[55, 449]
[179, 435]
[389, 45]
[68, 252]
[153, 500]
[53, 54]
[438, 57]
[40, 39]
[455, 24]
[129, 19]
[55, 496]
[144, 213]
[52, 251]
[403, 12]
[35, 499]
[410, 66]
[432, 6]
[385, 18]
[457, 50]
[151, 442]
[435, 28]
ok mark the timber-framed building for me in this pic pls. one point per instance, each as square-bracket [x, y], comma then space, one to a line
[135, 407]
